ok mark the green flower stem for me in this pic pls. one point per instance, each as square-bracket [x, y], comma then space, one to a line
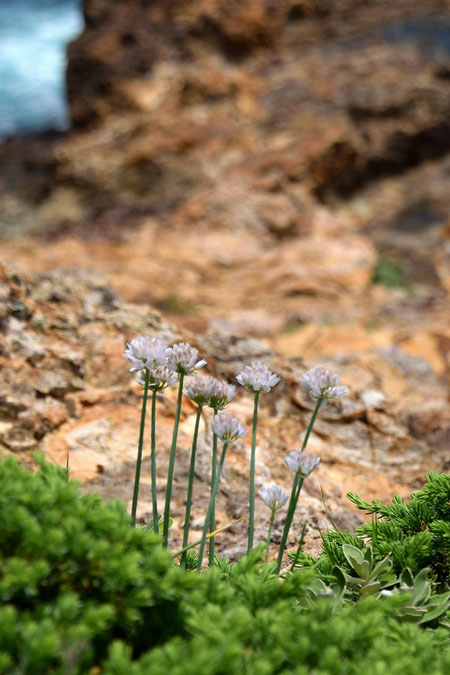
[213, 511]
[172, 462]
[296, 487]
[290, 514]
[299, 547]
[311, 422]
[139, 455]
[251, 519]
[154, 492]
[272, 518]
[190, 487]
[210, 507]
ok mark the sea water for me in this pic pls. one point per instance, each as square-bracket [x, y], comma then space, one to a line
[33, 39]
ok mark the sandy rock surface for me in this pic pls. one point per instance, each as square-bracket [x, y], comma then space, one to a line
[65, 390]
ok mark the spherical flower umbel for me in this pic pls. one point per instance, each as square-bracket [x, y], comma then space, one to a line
[209, 391]
[222, 394]
[183, 359]
[146, 352]
[159, 378]
[257, 377]
[274, 497]
[199, 389]
[322, 383]
[303, 462]
[227, 428]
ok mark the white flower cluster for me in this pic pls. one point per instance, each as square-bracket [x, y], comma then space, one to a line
[183, 359]
[322, 383]
[209, 391]
[303, 462]
[146, 352]
[162, 363]
[227, 428]
[159, 378]
[257, 377]
[274, 497]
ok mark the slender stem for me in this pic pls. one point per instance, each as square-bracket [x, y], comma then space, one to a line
[296, 487]
[299, 547]
[208, 536]
[290, 513]
[139, 455]
[172, 462]
[311, 422]
[67, 466]
[211, 501]
[251, 519]
[272, 518]
[212, 524]
[154, 493]
[190, 487]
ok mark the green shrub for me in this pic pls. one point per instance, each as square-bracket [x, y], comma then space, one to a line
[74, 575]
[414, 535]
[83, 592]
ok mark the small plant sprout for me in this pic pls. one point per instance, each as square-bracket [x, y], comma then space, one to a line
[159, 378]
[256, 378]
[144, 353]
[321, 385]
[228, 429]
[275, 498]
[183, 360]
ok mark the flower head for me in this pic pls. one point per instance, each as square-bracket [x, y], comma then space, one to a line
[159, 378]
[257, 377]
[209, 391]
[227, 427]
[274, 497]
[146, 352]
[322, 383]
[183, 359]
[221, 395]
[303, 462]
[199, 389]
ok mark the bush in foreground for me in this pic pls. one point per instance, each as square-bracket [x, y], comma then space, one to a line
[81, 591]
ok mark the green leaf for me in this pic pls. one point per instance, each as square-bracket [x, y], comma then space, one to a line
[438, 610]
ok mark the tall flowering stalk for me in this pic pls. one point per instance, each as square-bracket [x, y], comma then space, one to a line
[228, 429]
[183, 361]
[221, 395]
[204, 391]
[322, 386]
[256, 378]
[275, 498]
[144, 354]
[158, 379]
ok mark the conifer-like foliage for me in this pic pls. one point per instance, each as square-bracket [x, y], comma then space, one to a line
[74, 576]
[81, 591]
[414, 534]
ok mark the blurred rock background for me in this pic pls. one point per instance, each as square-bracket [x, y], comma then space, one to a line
[269, 180]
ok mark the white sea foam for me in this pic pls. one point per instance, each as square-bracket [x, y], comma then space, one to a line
[33, 38]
